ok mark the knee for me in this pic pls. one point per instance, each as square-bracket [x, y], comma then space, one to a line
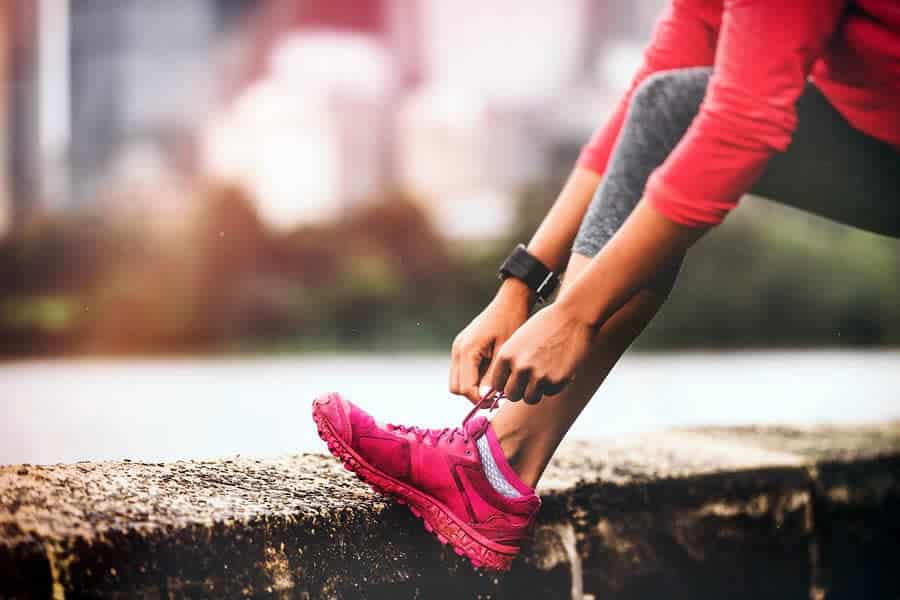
[669, 100]
[651, 91]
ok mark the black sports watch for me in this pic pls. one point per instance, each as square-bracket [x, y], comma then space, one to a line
[523, 265]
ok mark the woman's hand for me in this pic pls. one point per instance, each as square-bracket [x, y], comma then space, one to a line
[477, 344]
[543, 355]
[540, 358]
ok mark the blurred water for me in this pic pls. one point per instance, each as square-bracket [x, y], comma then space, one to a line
[185, 408]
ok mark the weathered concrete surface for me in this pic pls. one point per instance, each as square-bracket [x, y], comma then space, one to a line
[855, 489]
[239, 527]
[679, 515]
[775, 513]
[739, 513]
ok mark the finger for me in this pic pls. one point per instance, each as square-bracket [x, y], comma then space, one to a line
[487, 378]
[468, 376]
[454, 372]
[552, 388]
[492, 398]
[515, 386]
[502, 369]
[486, 395]
[482, 389]
[489, 363]
[533, 392]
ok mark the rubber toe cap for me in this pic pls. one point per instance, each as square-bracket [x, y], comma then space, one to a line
[335, 411]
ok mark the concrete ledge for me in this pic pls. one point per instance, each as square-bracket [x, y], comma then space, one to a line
[738, 513]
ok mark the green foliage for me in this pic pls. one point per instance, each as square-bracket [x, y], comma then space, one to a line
[772, 276]
[383, 280]
[49, 314]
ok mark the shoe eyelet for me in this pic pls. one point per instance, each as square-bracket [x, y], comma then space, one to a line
[468, 452]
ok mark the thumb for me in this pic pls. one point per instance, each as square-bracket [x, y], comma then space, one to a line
[470, 376]
[472, 394]
[487, 395]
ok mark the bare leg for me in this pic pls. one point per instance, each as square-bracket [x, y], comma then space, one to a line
[530, 434]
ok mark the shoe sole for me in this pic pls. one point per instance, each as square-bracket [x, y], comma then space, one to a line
[437, 518]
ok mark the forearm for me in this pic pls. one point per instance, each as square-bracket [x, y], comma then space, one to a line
[553, 239]
[646, 242]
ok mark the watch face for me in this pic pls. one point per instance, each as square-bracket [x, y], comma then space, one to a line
[522, 265]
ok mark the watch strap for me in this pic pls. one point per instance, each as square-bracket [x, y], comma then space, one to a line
[524, 266]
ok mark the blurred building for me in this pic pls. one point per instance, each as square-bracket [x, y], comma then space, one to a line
[477, 131]
[19, 100]
[474, 101]
[332, 102]
[464, 158]
[140, 71]
[307, 138]
[5, 52]
[310, 129]
[452, 120]
[94, 86]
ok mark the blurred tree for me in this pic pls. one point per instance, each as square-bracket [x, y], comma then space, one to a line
[381, 279]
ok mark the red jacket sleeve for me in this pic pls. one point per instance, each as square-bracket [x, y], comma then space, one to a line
[765, 52]
[685, 36]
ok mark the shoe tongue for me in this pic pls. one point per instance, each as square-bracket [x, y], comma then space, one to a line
[476, 426]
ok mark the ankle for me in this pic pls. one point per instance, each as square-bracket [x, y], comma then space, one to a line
[522, 454]
[513, 445]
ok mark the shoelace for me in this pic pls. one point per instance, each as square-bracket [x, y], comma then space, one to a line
[435, 435]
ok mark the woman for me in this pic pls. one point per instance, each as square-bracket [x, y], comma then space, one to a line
[796, 101]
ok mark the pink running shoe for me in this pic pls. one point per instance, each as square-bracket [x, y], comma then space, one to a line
[438, 473]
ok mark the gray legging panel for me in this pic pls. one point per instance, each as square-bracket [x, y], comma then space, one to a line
[830, 168]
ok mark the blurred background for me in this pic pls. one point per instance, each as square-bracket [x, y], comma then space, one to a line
[211, 210]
